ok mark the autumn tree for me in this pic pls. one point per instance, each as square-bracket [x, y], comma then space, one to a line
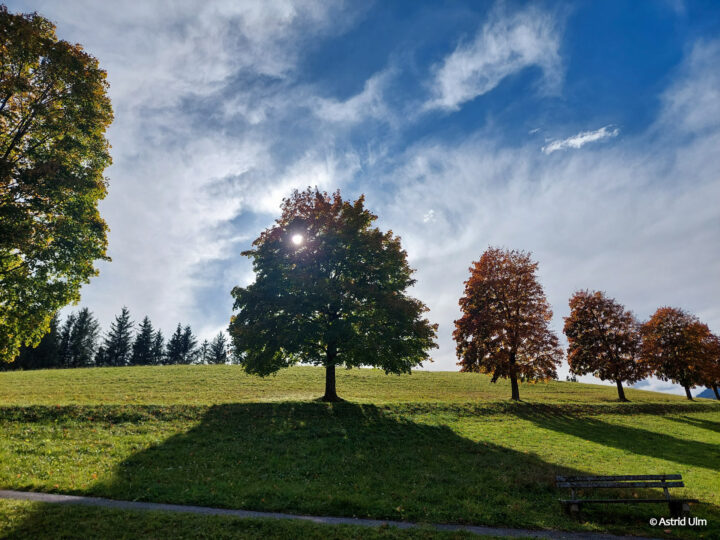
[711, 372]
[331, 290]
[504, 328]
[54, 111]
[603, 339]
[677, 347]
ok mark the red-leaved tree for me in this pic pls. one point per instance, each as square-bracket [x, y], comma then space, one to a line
[677, 347]
[504, 329]
[603, 339]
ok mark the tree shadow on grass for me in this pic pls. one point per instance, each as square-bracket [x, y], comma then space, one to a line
[356, 460]
[697, 422]
[632, 439]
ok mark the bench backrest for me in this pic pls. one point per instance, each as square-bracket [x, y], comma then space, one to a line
[623, 481]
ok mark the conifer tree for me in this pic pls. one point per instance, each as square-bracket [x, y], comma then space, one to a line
[65, 340]
[158, 349]
[218, 350]
[45, 355]
[142, 350]
[174, 353]
[83, 339]
[189, 346]
[203, 352]
[118, 342]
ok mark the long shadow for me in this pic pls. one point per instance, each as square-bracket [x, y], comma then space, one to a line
[359, 461]
[697, 422]
[631, 439]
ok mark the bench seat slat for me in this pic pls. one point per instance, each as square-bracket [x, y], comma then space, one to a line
[620, 484]
[619, 478]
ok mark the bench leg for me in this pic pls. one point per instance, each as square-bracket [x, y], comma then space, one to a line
[676, 508]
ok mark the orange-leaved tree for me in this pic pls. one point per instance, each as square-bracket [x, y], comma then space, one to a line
[504, 329]
[710, 376]
[603, 339]
[677, 347]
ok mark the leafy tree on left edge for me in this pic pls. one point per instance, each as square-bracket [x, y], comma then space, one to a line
[54, 111]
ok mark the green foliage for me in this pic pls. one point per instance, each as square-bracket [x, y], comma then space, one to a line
[54, 111]
[158, 348]
[83, 340]
[142, 349]
[118, 342]
[338, 297]
[182, 346]
[218, 350]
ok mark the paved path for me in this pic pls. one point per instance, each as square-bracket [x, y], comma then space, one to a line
[131, 505]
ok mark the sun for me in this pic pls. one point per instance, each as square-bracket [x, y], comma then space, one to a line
[297, 239]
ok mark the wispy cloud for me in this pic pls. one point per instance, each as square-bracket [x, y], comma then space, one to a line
[581, 139]
[506, 44]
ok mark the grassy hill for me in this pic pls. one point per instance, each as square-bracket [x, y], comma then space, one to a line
[431, 446]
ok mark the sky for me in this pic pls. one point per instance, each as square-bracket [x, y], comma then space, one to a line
[585, 132]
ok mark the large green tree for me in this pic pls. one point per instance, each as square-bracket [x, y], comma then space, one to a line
[331, 290]
[54, 111]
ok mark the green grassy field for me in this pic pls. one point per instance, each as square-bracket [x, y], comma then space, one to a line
[429, 447]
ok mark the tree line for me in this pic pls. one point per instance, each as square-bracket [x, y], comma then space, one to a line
[77, 342]
[504, 331]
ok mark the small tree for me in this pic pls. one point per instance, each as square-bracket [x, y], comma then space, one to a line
[329, 290]
[83, 339]
[504, 329]
[142, 354]
[677, 347]
[603, 339]
[66, 339]
[157, 352]
[174, 352]
[203, 353]
[118, 342]
[218, 350]
[710, 376]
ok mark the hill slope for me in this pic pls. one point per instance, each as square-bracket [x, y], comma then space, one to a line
[435, 447]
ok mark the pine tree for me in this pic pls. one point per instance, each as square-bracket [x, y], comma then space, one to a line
[174, 352]
[83, 339]
[66, 331]
[142, 350]
[189, 346]
[218, 350]
[204, 352]
[118, 342]
[157, 352]
[45, 355]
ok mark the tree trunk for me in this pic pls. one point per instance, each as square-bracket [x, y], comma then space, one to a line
[621, 392]
[715, 389]
[513, 379]
[330, 391]
[687, 393]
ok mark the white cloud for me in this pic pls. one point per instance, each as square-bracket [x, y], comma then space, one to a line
[581, 139]
[367, 104]
[506, 44]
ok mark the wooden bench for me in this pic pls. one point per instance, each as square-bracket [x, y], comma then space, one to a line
[664, 481]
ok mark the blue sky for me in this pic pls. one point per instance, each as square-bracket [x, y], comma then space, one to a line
[585, 132]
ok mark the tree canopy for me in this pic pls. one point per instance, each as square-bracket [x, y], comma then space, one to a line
[677, 347]
[603, 339]
[329, 290]
[54, 111]
[504, 329]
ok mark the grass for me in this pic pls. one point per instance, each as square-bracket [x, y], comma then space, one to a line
[25, 520]
[429, 447]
